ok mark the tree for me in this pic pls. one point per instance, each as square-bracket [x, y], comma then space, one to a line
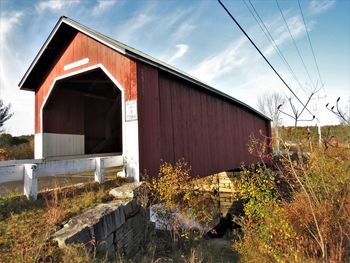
[345, 119]
[5, 114]
[343, 115]
[268, 104]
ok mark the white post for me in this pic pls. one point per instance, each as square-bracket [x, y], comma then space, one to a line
[319, 133]
[30, 181]
[99, 172]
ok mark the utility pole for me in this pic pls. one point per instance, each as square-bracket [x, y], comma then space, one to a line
[317, 111]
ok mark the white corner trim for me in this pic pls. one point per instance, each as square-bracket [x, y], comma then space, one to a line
[76, 64]
[38, 145]
[132, 149]
[77, 72]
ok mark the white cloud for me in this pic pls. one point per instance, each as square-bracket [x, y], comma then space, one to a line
[7, 23]
[184, 30]
[222, 63]
[320, 6]
[296, 27]
[181, 50]
[238, 53]
[102, 6]
[10, 66]
[128, 30]
[175, 16]
[55, 5]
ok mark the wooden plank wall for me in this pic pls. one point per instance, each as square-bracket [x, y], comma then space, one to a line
[210, 132]
[122, 68]
[148, 118]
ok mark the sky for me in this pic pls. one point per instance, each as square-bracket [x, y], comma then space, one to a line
[197, 37]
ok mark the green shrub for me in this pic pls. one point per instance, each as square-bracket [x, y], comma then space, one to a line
[312, 224]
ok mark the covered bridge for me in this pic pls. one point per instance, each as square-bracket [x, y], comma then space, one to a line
[95, 95]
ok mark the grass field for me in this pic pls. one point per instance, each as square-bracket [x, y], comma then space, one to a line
[25, 225]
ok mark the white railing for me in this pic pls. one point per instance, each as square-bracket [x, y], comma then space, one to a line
[29, 171]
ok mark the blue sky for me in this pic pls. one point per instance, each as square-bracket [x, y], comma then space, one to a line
[195, 36]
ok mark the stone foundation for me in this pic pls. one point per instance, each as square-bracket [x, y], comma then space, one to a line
[119, 228]
[220, 182]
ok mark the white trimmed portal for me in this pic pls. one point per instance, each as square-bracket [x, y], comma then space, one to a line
[52, 144]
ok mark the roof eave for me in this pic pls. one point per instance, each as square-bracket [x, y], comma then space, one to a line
[38, 55]
[193, 80]
[130, 52]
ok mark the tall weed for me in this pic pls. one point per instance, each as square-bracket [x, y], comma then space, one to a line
[311, 222]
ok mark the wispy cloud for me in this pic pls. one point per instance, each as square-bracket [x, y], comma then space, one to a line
[280, 32]
[7, 23]
[320, 6]
[238, 53]
[127, 31]
[10, 65]
[55, 5]
[184, 30]
[222, 63]
[181, 51]
[102, 6]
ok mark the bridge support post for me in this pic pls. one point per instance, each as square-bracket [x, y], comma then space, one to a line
[99, 172]
[30, 181]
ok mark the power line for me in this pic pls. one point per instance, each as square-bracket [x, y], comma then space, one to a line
[266, 60]
[272, 41]
[312, 49]
[295, 45]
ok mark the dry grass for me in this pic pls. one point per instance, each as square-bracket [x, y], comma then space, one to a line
[55, 206]
[309, 224]
[162, 249]
[25, 226]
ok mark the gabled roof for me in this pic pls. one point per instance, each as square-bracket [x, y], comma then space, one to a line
[65, 30]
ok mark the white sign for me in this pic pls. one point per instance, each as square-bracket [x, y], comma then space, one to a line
[131, 110]
[76, 64]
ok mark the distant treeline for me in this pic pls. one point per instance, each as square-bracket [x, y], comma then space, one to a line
[16, 147]
[340, 132]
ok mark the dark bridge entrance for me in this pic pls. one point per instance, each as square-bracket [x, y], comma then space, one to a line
[83, 115]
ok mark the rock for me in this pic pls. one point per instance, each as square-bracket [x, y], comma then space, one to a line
[98, 222]
[117, 228]
[105, 245]
[75, 234]
[127, 190]
[131, 208]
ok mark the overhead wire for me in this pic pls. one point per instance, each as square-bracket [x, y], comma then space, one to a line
[268, 35]
[295, 45]
[266, 60]
[311, 47]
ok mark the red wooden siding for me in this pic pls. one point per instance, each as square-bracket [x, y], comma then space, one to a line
[148, 118]
[122, 68]
[210, 132]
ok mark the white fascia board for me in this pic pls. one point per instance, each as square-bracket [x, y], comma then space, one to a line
[52, 34]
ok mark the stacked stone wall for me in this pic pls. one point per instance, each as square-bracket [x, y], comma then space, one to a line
[117, 229]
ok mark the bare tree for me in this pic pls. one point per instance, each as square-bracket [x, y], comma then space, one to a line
[344, 118]
[5, 114]
[268, 104]
[296, 113]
